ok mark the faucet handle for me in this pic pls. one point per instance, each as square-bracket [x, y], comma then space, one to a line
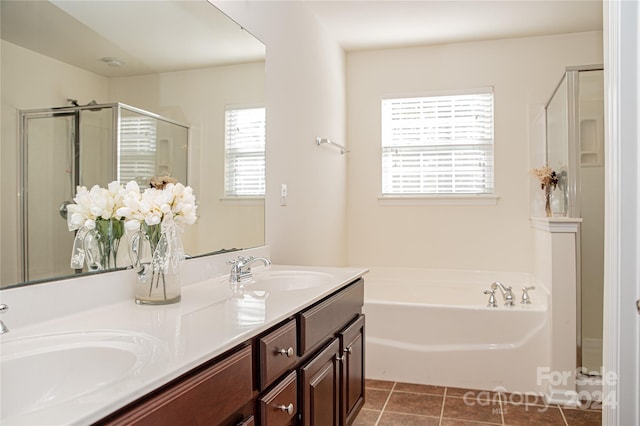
[3, 328]
[508, 297]
[492, 299]
[526, 299]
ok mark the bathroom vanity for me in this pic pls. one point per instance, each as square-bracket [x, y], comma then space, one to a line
[286, 349]
[308, 369]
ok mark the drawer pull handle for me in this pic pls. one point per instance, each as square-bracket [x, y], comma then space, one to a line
[286, 408]
[288, 352]
[348, 350]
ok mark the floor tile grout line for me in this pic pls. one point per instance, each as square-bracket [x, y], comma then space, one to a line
[563, 417]
[444, 397]
[384, 406]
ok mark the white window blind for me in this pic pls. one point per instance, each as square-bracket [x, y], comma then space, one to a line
[244, 152]
[438, 144]
[137, 149]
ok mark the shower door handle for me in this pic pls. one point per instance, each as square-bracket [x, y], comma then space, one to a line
[63, 209]
[638, 306]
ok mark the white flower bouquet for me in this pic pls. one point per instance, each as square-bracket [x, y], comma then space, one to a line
[99, 228]
[156, 215]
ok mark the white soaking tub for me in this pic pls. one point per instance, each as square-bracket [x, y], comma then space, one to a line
[434, 327]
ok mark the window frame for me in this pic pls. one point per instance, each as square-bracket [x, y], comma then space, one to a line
[233, 198]
[438, 198]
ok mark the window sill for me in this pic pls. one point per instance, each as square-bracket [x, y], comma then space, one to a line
[440, 200]
[242, 201]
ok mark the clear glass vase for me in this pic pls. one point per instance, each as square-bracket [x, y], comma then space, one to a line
[547, 201]
[156, 254]
[101, 244]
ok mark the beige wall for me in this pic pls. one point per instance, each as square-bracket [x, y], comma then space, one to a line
[27, 84]
[524, 73]
[198, 98]
[305, 94]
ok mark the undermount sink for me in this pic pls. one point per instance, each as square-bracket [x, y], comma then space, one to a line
[281, 280]
[45, 371]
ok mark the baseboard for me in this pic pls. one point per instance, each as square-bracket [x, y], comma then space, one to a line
[564, 397]
[589, 388]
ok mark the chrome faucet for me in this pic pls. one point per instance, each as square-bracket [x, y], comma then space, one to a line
[241, 268]
[3, 328]
[507, 294]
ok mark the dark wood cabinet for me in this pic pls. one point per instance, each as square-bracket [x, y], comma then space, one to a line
[249, 421]
[278, 352]
[320, 382]
[319, 323]
[332, 381]
[352, 378]
[218, 394]
[280, 405]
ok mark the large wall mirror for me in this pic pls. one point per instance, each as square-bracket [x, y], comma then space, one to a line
[183, 62]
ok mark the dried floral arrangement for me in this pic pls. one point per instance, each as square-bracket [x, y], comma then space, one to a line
[548, 178]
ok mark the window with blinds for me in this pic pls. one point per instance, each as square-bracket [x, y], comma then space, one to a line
[244, 173]
[438, 144]
[137, 149]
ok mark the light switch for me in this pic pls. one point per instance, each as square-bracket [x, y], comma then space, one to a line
[283, 194]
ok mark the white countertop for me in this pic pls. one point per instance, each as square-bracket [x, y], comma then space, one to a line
[209, 320]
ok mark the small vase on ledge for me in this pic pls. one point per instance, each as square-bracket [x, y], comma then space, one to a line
[547, 200]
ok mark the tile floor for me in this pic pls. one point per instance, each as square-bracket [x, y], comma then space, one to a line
[394, 403]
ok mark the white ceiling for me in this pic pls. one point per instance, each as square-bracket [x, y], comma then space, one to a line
[148, 36]
[160, 36]
[369, 24]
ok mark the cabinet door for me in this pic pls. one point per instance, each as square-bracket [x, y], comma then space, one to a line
[352, 377]
[213, 396]
[320, 391]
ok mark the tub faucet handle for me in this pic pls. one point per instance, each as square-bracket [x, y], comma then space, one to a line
[526, 299]
[492, 298]
[3, 328]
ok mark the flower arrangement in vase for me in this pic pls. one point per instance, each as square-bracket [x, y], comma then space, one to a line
[156, 216]
[548, 179]
[93, 214]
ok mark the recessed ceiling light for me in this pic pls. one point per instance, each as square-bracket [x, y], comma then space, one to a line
[112, 62]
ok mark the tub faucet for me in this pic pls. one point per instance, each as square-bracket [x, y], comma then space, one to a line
[507, 294]
[3, 328]
[241, 267]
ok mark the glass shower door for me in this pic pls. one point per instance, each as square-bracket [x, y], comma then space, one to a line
[50, 169]
[591, 202]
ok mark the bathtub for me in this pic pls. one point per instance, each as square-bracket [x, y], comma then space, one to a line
[434, 327]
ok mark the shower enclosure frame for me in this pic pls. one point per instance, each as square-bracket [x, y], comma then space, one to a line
[573, 207]
[24, 116]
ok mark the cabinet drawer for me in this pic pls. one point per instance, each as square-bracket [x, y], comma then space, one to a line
[209, 396]
[250, 421]
[278, 351]
[319, 323]
[280, 405]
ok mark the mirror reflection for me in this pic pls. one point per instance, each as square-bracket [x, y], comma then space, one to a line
[183, 64]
